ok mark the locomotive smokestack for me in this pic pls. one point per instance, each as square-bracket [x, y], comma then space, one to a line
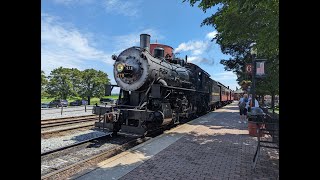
[145, 41]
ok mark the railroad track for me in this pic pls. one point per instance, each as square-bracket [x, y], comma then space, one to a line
[75, 144]
[58, 121]
[54, 126]
[68, 122]
[65, 162]
[121, 144]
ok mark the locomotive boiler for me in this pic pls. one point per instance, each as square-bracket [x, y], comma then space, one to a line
[156, 90]
[135, 69]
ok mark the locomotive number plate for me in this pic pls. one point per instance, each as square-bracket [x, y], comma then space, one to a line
[120, 75]
[130, 68]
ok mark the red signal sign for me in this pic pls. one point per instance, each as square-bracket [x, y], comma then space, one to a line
[249, 68]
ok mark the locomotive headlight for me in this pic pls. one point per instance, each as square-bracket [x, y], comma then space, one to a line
[120, 67]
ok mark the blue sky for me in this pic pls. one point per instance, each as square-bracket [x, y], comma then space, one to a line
[84, 34]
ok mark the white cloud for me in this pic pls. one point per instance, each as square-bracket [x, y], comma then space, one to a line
[196, 47]
[227, 78]
[211, 35]
[133, 39]
[197, 59]
[123, 7]
[205, 52]
[228, 75]
[66, 46]
[201, 51]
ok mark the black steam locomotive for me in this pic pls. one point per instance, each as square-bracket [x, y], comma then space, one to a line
[157, 90]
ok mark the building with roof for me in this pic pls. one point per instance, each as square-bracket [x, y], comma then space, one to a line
[238, 93]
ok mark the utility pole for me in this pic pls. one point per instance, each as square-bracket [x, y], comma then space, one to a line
[253, 53]
[253, 80]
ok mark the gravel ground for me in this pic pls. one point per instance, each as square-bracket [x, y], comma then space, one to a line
[50, 113]
[57, 142]
[73, 155]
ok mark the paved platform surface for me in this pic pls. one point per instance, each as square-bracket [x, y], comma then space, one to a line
[214, 146]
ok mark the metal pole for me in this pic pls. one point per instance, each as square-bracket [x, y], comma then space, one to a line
[85, 107]
[61, 109]
[253, 80]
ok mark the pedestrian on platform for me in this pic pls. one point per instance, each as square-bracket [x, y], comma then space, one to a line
[243, 102]
[250, 103]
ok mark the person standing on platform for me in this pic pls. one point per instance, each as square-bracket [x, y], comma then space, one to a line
[256, 102]
[243, 102]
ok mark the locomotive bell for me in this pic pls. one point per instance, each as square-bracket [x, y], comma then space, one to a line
[114, 57]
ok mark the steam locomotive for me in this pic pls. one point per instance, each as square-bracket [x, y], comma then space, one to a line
[158, 89]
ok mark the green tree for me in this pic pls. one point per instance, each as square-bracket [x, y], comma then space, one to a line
[245, 84]
[76, 78]
[92, 83]
[44, 82]
[242, 21]
[240, 24]
[60, 83]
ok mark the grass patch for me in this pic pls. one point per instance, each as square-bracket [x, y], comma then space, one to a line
[46, 100]
[93, 100]
[115, 96]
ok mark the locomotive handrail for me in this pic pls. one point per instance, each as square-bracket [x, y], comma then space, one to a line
[145, 95]
[123, 105]
[185, 89]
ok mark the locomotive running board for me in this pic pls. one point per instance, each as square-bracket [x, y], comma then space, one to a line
[184, 89]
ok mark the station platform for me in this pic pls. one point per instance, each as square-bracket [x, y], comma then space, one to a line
[214, 146]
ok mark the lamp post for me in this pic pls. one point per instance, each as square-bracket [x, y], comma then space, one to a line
[254, 54]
